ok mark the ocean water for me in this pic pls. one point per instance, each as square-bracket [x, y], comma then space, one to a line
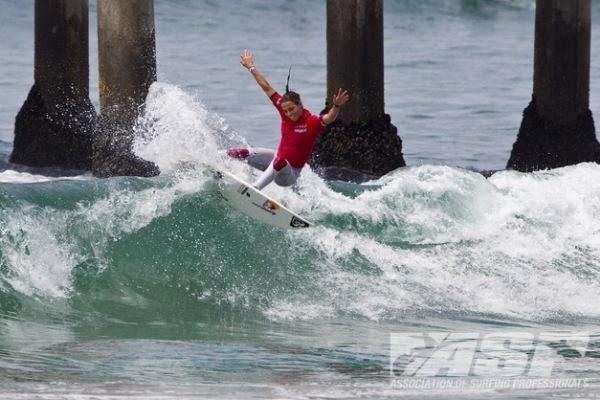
[431, 282]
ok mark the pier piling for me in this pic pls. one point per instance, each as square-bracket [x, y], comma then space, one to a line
[54, 127]
[127, 68]
[557, 127]
[363, 142]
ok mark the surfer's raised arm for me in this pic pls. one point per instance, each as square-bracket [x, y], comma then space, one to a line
[338, 100]
[247, 61]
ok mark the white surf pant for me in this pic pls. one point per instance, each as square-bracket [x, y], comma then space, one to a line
[263, 159]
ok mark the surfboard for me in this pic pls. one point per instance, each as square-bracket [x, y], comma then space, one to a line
[256, 204]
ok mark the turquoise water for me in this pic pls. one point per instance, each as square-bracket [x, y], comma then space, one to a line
[154, 288]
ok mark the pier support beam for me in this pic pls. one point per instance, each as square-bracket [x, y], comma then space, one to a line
[54, 127]
[558, 127]
[127, 68]
[363, 139]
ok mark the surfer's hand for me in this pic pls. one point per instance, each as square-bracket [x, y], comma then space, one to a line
[340, 98]
[247, 59]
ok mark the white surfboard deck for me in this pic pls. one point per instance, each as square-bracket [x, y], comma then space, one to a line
[254, 203]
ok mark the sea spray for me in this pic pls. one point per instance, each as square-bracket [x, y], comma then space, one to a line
[176, 128]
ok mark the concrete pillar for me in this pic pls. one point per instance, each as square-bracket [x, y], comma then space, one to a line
[558, 127]
[355, 56]
[55, 125]
[561, 80]
[127, 68]
[363, 143]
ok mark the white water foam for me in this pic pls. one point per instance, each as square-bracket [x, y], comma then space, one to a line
[518, 245]
[10, 176]
[39, 259]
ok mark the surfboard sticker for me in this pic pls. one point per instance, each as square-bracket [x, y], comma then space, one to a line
[299, 223]
[254, 203]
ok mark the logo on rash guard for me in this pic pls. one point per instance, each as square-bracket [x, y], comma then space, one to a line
[300, 129]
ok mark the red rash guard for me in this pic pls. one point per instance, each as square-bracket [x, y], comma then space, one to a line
[297, 138]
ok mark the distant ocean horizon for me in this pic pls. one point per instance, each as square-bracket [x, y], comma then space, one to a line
[153, 288]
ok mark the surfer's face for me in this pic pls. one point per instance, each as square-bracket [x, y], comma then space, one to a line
[292, 110]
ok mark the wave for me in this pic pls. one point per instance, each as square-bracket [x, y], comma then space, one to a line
[419, 241]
